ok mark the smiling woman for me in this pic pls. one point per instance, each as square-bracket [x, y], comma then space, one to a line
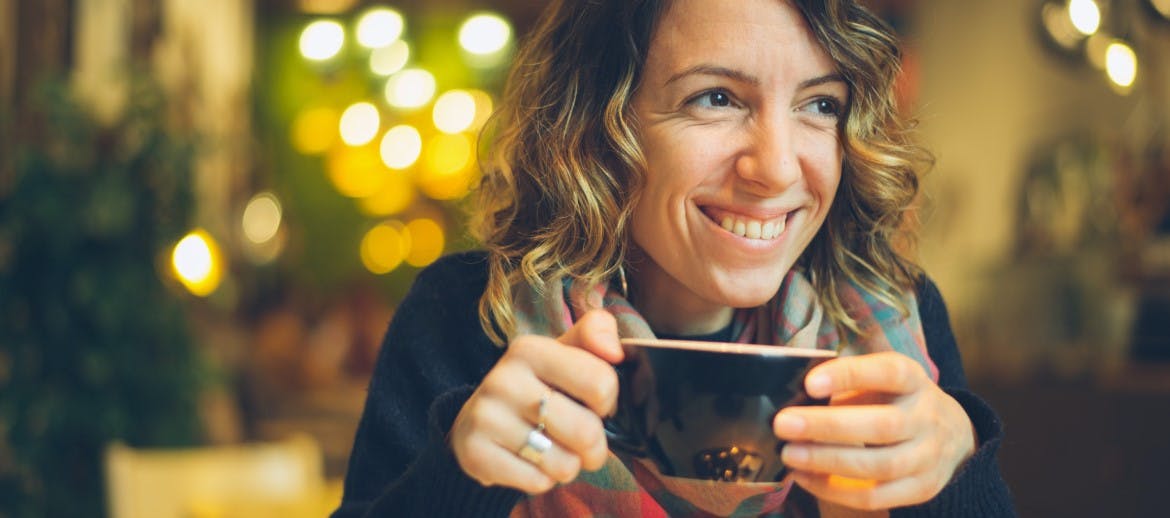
[696, 169]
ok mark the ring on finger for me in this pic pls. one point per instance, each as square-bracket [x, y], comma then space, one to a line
[535, 446]
[542, 410]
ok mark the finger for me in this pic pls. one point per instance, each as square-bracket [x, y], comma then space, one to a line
[890, 372]
[576, 372]
[872, 425]
[866, 494]
[881, 463]
[575, 427]
[596, 332]
[491, 464]
[510, 432]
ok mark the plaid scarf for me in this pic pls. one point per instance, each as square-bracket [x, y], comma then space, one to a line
[628, 486]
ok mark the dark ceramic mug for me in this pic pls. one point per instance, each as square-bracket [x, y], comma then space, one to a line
[704, 410]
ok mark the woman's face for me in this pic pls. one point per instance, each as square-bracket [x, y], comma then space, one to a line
[738, 114]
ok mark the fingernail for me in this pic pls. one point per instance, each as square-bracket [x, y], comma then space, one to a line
[818, 385]
[793, 454]
[789, 425]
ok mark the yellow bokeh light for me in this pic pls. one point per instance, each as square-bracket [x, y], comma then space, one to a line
[379, 27]
[1121, 64]
[426, 242]
[483, 109]
[401, 147]
[196, 263]
[359, 124]
[454, 111]
[356, 172]
[322, 39]
[390, 59]
[448, 154]
[396, 194]
[485, 33]
[262, 216]
[447, 186]
[384, 247]
[410, 88]
[1085, 16]
[313, 130]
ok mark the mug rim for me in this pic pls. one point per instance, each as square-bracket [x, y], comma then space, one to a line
[730, 348]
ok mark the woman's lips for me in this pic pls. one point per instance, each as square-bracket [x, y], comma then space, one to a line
[761, 227]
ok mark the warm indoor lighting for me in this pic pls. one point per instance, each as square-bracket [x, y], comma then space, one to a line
[448, 154]
[195, 260]
[384, 247]
[1085, 16]
[359, 124]
[1162, 7]
[1121, 64]
[454, 111]
[390, 59]
[356, 172]
[322, 40]
[483, 109]
[395, 196]
[262, 218]
[313, 130]
[426, 242]
[379, 27]
[410, 88]
[401, 147]
[485, 33]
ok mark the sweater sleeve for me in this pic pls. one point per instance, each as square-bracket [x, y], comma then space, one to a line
[977, 489]
[432, 357]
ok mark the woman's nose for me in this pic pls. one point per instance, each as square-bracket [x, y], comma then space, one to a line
[771, 164]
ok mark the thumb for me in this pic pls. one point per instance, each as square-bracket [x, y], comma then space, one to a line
[596, 332]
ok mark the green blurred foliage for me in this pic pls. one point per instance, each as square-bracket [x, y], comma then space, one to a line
[94, 346]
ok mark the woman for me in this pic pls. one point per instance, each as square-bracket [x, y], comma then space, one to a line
[689, 168]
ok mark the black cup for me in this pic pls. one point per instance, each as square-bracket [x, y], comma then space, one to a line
[704, 410]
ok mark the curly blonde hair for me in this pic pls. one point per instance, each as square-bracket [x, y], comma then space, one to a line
[566, 169]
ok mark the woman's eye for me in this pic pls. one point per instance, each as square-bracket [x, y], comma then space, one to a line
[826, 106]
[712, 99]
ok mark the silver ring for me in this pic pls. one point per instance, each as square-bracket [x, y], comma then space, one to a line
[534, 448]
[542, 410]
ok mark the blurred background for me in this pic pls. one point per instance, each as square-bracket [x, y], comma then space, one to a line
[210, 208]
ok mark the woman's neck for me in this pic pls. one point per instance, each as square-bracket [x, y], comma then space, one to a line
[671, 308]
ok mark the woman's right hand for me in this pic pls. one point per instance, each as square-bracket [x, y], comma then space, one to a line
[575, 373]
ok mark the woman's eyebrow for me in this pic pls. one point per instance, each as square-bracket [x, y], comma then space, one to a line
[713, 70]
[742, 77]
[816, 81]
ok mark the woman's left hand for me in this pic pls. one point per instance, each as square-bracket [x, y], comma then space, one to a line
[890, 437]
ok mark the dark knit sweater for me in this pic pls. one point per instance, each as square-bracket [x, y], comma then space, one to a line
[435, 353]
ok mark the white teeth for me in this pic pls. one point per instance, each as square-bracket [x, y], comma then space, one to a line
[753, 229]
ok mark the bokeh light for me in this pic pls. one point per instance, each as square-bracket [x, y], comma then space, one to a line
[262, 216]
[384, 247]
[396, 195]
[454, 111]
[379, 27]
[390, 59]
[356, 172]
[313, 130]
[196, 263]
[322, 39]
[483, 109]
[426, 242]
[448, 154]
[485, 33]
[410, 88]
[1085, 16]
[401, 147]
[1121, 64]
[359, 124]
